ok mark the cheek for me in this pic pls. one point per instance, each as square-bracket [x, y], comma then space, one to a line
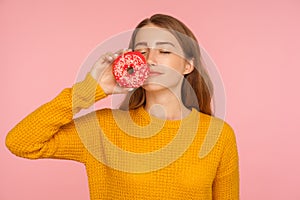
[178, 67]
[174, 63]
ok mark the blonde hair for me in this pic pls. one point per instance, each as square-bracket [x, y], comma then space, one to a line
[197, 87]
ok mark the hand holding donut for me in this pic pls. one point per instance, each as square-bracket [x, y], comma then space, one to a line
[102, 72]
[120, 72]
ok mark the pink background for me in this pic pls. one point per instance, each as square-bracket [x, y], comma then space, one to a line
[255, 45]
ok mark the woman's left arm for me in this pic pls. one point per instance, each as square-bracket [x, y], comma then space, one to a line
[226, 183]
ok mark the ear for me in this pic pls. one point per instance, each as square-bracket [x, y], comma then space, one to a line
[189, 66]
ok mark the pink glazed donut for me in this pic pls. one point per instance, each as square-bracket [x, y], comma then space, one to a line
[130, 69]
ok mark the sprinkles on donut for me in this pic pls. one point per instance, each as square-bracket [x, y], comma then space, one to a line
[130, 69]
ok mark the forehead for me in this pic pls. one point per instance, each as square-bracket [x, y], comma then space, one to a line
[152, 35]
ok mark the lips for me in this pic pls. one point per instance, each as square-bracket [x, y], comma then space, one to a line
[155, 73]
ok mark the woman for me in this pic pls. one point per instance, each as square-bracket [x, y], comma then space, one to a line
[167, 146]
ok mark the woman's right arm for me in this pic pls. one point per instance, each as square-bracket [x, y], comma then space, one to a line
[50, 132]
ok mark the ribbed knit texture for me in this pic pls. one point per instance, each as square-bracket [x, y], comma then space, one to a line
[202, 164]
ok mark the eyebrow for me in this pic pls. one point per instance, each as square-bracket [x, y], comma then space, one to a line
[157, 43]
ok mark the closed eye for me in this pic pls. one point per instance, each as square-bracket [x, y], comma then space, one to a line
[164, 51]
[142, 51]
[145, 51]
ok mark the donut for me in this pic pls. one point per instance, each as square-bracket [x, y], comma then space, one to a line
[130, 69]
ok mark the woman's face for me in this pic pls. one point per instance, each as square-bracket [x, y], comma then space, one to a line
[164, 56]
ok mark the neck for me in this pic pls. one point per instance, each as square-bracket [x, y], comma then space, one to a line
[165, 104]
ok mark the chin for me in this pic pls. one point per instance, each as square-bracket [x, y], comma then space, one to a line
[152, 87]
[158, 83]
[156, 87]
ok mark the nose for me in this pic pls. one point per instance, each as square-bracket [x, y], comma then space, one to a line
[151, 57]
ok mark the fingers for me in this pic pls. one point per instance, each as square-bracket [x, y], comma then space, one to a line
[122, 51]
[109, 57]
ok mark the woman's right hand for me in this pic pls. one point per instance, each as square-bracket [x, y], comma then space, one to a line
[102, 72]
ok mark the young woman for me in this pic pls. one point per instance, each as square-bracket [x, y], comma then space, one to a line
[163, 142]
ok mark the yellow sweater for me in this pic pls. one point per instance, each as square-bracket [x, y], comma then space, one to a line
[132, 155]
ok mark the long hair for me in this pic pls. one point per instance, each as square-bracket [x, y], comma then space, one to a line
[197, 88]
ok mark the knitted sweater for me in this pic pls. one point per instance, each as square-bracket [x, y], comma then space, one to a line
[132, 155]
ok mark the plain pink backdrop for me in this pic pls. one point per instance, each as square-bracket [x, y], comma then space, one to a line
[255, 45]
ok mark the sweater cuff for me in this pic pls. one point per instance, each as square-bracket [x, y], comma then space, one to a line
[86, 93]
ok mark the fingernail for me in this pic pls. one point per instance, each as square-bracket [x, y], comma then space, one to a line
[130, 89]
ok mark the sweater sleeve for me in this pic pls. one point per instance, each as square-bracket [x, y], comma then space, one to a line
[49, 131]
[226, 182]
